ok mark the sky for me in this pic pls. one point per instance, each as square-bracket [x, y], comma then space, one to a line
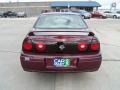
[104, 3]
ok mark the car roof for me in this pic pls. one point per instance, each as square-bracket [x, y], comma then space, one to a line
[64, 13]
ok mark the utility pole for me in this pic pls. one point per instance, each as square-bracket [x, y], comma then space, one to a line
[17, 2]
[9, 1]
[113, 6]
[68, 6]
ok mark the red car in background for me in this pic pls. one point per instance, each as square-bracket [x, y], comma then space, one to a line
[60, 42]
[97, 14]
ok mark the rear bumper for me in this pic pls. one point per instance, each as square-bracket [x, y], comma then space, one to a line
[86, 63]
[87, 17]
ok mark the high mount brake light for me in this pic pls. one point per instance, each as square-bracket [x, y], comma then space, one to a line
[82, 46]
[40, 46]
[27, 46]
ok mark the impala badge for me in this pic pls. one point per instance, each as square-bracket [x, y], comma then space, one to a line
[61, 47]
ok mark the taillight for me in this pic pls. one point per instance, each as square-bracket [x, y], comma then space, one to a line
[27, 46]
[95, 46]
[82, 46]
[40, 46]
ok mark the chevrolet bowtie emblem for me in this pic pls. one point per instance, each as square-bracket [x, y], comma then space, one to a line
[61, 47]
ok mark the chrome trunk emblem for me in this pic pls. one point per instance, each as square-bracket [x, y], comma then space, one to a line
[62, 47]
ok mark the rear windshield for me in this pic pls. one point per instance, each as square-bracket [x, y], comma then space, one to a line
[60, 21]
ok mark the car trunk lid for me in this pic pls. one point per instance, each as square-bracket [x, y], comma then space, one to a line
[59, 42]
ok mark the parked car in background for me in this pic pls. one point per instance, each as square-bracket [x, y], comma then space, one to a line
[115, 14]
[45, 11]
[98, 14]
[60, 42]
[1, 14]
[9, 14]
[84, 14]
[118, 12]
[21, 14]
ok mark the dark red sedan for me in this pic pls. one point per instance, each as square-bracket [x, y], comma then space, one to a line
[60, 42]
[97, 14]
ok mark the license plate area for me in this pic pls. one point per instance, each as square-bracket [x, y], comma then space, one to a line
[61, 62]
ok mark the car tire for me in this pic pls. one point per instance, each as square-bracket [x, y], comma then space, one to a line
[101, 17]
[83, 16]
[88, 17]
[115, 17]
[5, 16]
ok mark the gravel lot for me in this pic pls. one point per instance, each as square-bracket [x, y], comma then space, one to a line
[12, 77]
